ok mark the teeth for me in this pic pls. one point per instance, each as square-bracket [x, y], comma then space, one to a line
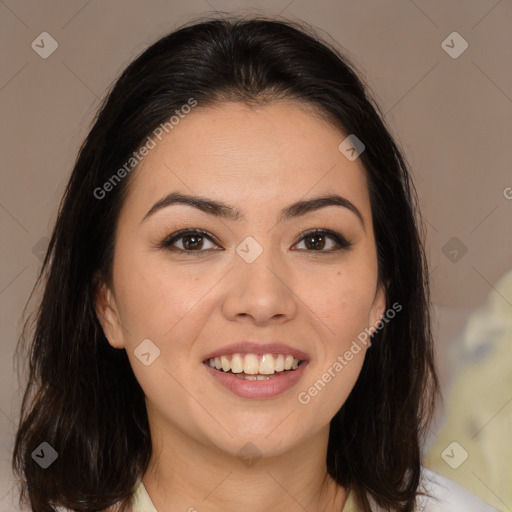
[225, 363]
[253, 366]
[253, 377]
[267, 365]
[237, 364]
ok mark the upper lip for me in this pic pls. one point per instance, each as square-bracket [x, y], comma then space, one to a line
[251, 347]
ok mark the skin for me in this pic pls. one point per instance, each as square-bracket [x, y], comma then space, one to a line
[259, 161]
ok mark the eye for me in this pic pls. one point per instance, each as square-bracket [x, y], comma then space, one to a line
[315, 240]
[192, 240]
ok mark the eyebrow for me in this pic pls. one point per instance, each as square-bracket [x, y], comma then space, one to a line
[222, 210]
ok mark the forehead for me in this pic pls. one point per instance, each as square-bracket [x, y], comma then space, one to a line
[248, 157]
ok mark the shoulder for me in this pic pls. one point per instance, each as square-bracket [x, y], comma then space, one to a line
[445, 495]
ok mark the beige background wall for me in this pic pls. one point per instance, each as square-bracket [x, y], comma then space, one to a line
[452, 116]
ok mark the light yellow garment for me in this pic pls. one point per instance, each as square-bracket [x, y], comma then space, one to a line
[142, 502]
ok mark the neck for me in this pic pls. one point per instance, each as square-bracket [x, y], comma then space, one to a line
[189, 475]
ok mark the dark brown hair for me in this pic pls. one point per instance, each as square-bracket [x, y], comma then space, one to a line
[82, 397]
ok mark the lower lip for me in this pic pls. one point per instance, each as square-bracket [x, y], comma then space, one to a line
[257, 389]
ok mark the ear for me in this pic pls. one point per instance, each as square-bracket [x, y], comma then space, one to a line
[379, 305]
[108, 315]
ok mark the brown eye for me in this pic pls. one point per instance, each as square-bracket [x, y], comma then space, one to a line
[316, 241]
[191, 240]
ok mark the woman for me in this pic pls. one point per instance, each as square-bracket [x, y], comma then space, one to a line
[235, 309]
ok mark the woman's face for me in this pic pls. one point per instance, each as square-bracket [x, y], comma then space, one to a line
[252, 278]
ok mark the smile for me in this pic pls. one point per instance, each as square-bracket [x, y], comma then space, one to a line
[256, 376]
[253, 365]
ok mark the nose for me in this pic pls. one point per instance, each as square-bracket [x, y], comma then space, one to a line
[260, 291]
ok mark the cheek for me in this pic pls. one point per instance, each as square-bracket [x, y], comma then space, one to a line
[157, 298]
[343, 300]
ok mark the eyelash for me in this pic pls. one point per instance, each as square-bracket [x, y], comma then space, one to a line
[342, 242]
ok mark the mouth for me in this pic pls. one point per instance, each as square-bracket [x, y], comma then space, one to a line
[255, 366]
[256, 376]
